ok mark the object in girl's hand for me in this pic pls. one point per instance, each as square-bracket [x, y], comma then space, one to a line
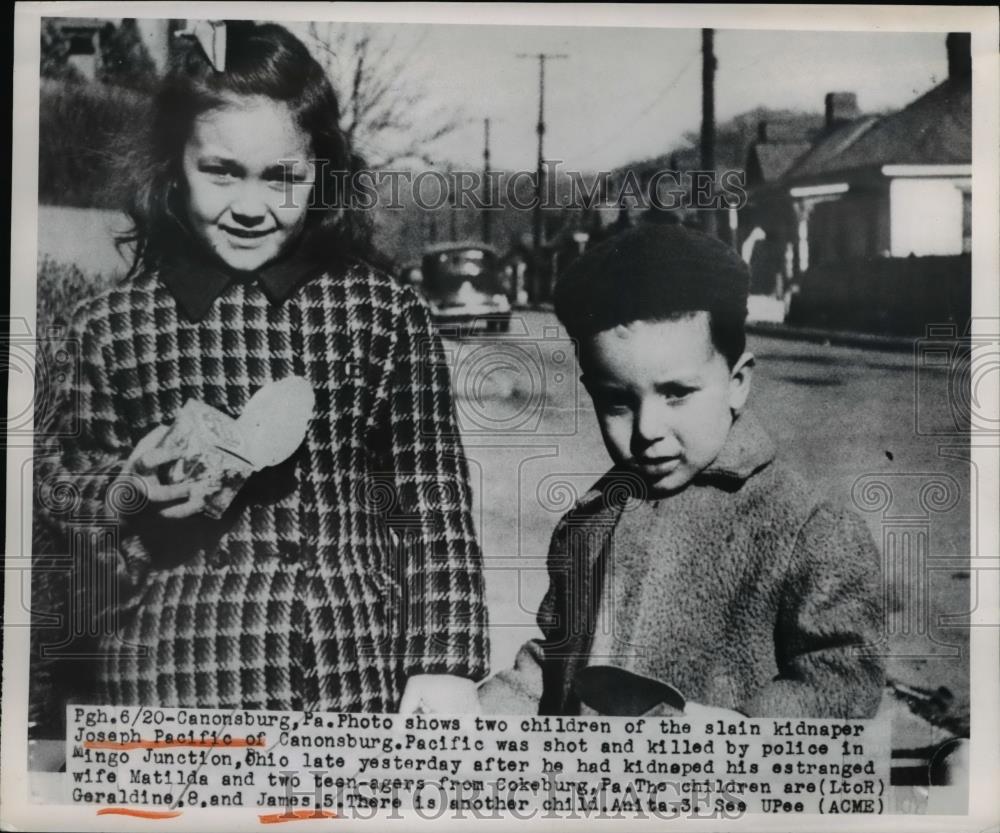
[216, 454]
[274, 421]
[210, 455]
[613, 691]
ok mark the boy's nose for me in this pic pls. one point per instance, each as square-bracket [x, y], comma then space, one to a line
[650, 425]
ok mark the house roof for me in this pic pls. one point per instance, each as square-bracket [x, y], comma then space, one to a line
[935, 129]
[774, 159]
[824, 156]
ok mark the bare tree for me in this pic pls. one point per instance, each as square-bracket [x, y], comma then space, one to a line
[385, 109]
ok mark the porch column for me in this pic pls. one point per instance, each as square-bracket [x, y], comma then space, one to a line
[803, 210]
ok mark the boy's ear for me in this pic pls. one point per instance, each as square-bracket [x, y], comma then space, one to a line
[739, 382]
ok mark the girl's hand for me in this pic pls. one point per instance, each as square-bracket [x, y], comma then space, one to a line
[710, 713]
[439, 694]
[168, 500]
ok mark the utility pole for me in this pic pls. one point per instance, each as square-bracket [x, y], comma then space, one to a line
[708, 67]
[453, 206]
[487, 185]
[537, 230]
[432, 229]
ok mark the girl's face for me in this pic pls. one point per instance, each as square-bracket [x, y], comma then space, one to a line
[249, 173]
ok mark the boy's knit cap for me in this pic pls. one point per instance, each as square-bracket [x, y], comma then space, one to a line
[650, 273]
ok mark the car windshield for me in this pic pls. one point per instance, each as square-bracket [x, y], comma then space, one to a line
[446, 272]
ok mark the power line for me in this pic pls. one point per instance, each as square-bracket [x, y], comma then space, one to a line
[629, 123]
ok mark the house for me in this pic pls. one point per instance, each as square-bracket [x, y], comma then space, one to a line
[768, 222]
[777, 148]
[890, 186]
[867, 225]
[85, 37]
[83, 40]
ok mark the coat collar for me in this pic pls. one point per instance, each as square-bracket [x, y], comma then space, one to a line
[196, 278]
[748, 449]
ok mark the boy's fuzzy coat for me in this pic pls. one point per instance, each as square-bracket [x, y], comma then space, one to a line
[757, 596]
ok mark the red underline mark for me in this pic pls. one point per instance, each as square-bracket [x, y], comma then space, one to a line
[161, 744]
[296, 815]
[142, 814]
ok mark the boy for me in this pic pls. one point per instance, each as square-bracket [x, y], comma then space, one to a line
[697, 561]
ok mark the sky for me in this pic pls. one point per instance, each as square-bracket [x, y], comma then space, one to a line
[624, 94]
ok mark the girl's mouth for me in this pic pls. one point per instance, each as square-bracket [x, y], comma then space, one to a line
[247, 234]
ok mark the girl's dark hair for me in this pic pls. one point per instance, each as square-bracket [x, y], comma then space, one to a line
[261, 60]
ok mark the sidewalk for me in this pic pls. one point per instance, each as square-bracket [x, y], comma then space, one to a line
[839, 338]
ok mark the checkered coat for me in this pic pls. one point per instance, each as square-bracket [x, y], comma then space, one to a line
[334, 576]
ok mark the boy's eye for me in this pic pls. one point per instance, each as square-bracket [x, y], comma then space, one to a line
[612, 402]
[676, 393]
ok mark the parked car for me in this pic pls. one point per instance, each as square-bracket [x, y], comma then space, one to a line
[465, 286]
[410, 274]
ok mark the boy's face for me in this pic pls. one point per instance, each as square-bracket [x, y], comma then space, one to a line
[664, 396]
[243, 202]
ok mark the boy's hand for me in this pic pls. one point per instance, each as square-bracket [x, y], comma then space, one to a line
[168, 500]
[710, 713]
[439, 694]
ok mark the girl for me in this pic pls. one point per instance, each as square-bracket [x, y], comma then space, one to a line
[346, 579]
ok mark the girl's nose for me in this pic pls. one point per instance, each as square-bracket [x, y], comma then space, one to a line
[249, 208]
[247, 218]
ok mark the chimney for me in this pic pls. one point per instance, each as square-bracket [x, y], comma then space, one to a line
[761, 132]
[840, 108]
[959, 46]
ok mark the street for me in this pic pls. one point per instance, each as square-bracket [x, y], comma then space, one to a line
[846, 418]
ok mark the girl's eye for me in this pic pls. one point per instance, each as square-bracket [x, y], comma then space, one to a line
[282, 185]
[219, 172]
[286, 176]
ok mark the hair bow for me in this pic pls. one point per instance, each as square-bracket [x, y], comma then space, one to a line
[211, 37]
